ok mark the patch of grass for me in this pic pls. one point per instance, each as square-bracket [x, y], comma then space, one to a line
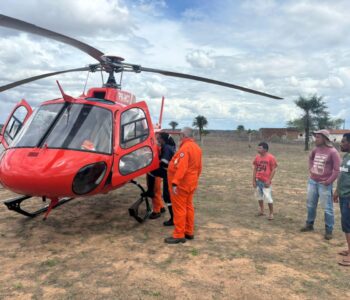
[164, 265]
[260, 269]
[237, 254]
[178, 271]
[51, 262]
[151, 293]
[18, 286]
[194, 252]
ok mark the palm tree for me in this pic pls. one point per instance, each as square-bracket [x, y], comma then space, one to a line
[312, 106]
[173, 125]
[200, 122]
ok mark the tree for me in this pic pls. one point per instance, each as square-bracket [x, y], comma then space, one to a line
[338, 124]
[200, 122]
[173, 125]
[240, 128]
[315, 114]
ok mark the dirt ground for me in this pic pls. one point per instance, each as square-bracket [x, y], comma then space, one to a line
[91, 249]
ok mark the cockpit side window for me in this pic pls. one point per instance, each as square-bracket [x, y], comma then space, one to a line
[15, 124]
[134, 127]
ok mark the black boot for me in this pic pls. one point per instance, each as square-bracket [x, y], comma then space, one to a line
[154, 215]
[170, 222]
[171, 240]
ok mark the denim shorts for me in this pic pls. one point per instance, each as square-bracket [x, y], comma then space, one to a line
[344, 203]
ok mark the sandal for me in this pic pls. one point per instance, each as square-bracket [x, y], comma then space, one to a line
[344, 253]
[270, 218]
[259, 214]
[344, 263]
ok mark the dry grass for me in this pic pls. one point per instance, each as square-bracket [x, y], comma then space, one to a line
[91, 249]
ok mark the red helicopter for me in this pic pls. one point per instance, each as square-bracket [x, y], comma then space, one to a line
[91, 144]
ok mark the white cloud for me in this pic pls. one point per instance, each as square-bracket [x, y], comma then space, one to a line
[260, 7]
[155, 89]
[333, 82]
[200, 59]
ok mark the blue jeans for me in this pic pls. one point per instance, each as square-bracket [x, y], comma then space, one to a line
[317, 191]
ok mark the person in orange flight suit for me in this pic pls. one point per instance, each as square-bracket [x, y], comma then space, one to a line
[183, 173]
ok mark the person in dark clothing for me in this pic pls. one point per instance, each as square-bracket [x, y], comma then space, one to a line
[168, 148]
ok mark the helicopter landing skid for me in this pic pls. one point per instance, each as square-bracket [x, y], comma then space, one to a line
[15, 204]
[134, 209]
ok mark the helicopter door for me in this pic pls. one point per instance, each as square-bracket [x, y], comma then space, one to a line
[14, 123]
[136, 153]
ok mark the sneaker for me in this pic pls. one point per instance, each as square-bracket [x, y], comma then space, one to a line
[171, 240]
[307, 227]
[189, 236]
[170, 222]
[154, 215]
[328, 236]
[162, 210]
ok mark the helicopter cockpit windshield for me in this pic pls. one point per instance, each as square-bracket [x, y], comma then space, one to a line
[68, 126]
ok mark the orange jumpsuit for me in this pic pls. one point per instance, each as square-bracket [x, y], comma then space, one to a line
[184, 170]
[157, 202]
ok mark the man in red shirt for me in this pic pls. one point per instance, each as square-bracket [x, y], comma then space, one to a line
[264, 169]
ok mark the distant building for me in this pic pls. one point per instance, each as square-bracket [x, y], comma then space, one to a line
[283, 133]
[337, 134]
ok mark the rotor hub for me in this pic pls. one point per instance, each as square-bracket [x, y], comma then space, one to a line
[112, 59]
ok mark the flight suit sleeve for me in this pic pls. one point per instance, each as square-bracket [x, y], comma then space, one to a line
[181, 167]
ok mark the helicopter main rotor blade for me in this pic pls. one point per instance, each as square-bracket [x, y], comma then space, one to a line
[204, 79]
[30, 79]
[13, 23]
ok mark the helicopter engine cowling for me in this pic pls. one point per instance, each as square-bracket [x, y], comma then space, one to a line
[50, 172]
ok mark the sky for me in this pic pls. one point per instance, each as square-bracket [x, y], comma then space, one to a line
[286, 48]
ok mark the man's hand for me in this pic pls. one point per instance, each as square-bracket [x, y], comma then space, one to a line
[335, 197]
[267, 183]
[324, 183]
[254, 184]
[174, 187]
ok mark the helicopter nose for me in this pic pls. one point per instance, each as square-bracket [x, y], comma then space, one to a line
[53, 172]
